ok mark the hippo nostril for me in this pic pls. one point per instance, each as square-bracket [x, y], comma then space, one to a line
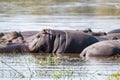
[115, 38]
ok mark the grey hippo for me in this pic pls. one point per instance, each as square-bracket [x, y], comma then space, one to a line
[90, 32]
[13, 48]
[114, 31]
[102, 49]
[60, 41]
[13, 42]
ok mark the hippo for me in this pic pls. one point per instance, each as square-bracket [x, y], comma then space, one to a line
[114, 31]
[14, 42]
[13, 48]
[101, 36]
[27, 34]
[112, 36]
[60, 41]
[102, 49]
[88, 30]
[98, 33]
[8, 37]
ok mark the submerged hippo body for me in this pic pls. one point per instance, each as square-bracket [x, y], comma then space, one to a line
[102, 49]
[90, 32]
[28, 34]
[114, 31]
[58, 41]
[112, 36]
[13, 48]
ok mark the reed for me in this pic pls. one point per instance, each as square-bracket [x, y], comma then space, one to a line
[114, 76]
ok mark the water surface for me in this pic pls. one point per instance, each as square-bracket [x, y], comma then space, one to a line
[59, 14]
[29, 15]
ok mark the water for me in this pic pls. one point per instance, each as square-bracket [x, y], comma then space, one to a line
[28, 67]
[28, 15]
[16, 15]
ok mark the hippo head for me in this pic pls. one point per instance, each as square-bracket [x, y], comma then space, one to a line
[88, 30]
[98, 33]
[11, 36]
[42, 42]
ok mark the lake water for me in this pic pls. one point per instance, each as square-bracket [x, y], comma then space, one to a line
[31, 15]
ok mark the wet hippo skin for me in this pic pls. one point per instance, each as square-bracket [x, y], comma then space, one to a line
[102, 49]
[13, 48]
[61, 41]
[111, 36]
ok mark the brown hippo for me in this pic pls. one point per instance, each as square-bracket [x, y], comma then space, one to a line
[13, 48]
[17, 37]
[27, 36]
[102, 49]
[11, 36]
[114, 31]
[112, 36]
[61, 41]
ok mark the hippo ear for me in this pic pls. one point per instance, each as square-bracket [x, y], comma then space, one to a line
[45, 31]
[114, 38]
[87, 30]
[105, 33]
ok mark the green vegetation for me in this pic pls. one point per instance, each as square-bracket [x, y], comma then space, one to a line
[62, 74]
[48, 61]
[59, 7]
[115, 76]
[51, 67]
[116, 57]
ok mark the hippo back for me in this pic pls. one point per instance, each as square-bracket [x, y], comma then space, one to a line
[13, 48]
[61, 41]
[114, 31]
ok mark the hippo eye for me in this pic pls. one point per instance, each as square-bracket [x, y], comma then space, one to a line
[38, 36]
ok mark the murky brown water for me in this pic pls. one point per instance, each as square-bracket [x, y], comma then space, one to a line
[24, 15]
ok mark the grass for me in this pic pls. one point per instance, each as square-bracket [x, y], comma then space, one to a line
[116, 57]
[48, 61]
[62, 74]
[115, 76]
[58, 71]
